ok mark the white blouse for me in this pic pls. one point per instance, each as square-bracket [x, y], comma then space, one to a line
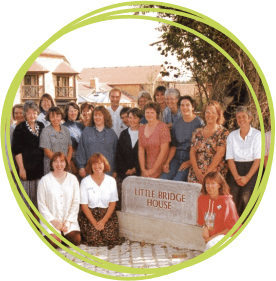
[133, 136]
[59, 201]
[98, 196]
[244, 150]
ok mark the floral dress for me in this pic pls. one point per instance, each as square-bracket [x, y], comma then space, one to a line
[206, 149]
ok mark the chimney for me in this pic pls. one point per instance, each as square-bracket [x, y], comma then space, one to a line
[94, 84]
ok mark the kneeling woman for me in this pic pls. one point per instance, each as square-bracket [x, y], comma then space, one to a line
[216, 210]
[98, 221]
[58, 199]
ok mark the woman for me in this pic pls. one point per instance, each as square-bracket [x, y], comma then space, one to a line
[98, 221]
[154, 139]
[55, 138]
[143, 98]
[243, 155]
[60, 188]
[159, 97]
[45, 103]
[178, 162]
[28, 155]
[208, 145]
[172, 111]
[86, 113]
[97, 138]
[72, 114]
[217, 212]
[17, 115]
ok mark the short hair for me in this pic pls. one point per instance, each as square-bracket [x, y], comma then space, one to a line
[172, 91]
[96, 158]
[59, 155]
[144, 94]
[224, 188]
[218, 108]
[153, 105]
[244, 109]
[19, 105]
[47, 96]
[115, 90]
[29, 104]
[124, 110]
[161, 89]
[75, 106]
[135, 112]
[86, 104]
[187, 97]
[53, 109]
[107, 117]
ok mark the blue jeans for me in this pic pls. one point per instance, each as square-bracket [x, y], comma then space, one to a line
[174, 173]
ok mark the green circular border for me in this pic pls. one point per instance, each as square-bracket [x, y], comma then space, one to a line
[100, 15]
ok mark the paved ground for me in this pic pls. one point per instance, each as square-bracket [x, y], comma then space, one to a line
[135, 254]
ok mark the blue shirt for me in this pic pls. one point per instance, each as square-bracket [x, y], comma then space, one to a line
[93, 141]
[182, 132]
[169, 117]
[75, 129]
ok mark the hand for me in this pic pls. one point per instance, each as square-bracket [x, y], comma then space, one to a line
[130, 172]
[57, 224]
[238, 180]
[22, 174]
[65, 226]
[100, 225]
[243, 181]
[166, 168]
[199, 175]
[82, 172]
[205, 232]
[170, 125]
[185, 165]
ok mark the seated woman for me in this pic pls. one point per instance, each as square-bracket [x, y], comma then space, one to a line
[28, 155]
[178, 162]
[71, 117]
[208, 145]
[243, 154]
[98, 222]
[46, 101]
[97, 138]
[55, 138]
[56, 189]
[86, 110]
[143, 98]
[154, 139]
[171, 112]
[216, 210]
[159, 97]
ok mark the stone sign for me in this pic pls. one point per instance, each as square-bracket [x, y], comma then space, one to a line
[161, 199]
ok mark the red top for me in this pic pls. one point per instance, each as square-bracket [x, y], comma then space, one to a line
[160, 135]
[223, 208]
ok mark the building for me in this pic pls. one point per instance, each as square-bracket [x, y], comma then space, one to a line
[50, 73]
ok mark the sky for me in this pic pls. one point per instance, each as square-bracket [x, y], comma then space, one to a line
[125, 42]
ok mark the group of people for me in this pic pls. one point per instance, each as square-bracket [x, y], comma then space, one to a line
[99, 147]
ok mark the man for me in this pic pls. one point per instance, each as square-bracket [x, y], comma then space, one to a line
[124, 115]
[114, 110]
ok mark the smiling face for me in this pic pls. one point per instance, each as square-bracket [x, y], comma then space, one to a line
[115, 99]
[55, 119]
[133, 120]
[211, 115]
[243, 120]
[142, 102]
[72, 113]
[160, 97]
[98, 118]
[186, 107]
[212, 188]
[18, 115]
[87, 113]
[125, 120]
[171, 101]
[59, 164]
[150, 115]
[98, 168]
[31, 115]
[46, 104]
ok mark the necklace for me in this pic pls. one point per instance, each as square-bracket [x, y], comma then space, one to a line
[36, 132]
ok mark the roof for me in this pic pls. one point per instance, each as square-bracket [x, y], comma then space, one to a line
[64, 67]
[37, 67]
[130, 75]
[48, 52]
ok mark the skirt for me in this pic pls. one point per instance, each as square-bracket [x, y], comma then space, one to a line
[242, 194]
[31, 189]
[109, 237]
